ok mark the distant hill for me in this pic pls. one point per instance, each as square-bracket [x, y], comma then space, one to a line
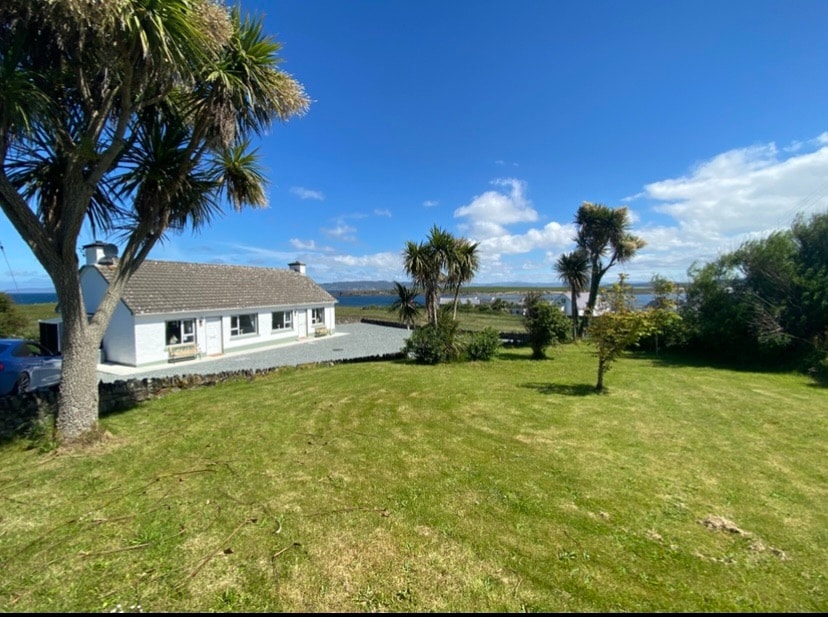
[367, 287]
[359, 286]
[363, 287]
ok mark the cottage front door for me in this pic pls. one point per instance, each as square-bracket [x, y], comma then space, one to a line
[302, 323]
[213, 336]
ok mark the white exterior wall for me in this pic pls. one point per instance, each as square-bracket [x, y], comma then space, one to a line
[93, 288]
[150, 330]
[119, 341]
[264, 332]
[149, 340]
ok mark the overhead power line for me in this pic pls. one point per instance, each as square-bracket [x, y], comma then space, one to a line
[8, 265]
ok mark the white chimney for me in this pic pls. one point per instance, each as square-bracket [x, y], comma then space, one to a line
[100, 253]
[297, 266]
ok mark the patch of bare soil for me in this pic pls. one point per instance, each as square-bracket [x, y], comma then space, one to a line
[719, 523]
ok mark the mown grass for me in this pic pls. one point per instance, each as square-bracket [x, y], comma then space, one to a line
[33, 313]
[500, 486]
[467, 318]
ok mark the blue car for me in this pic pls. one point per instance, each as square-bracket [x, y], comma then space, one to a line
[26, 366]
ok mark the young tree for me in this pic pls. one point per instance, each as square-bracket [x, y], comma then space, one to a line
[573, 269]
[615, 331]
[12, 321]
[545, 323]
[664, 311]
[603, 234]
[130, 117]
[405, 304]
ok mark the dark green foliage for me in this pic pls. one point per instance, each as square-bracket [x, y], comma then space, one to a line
[482, 345]
[574, 270]
[443, 263]
[765, 302]
[12, 321]
[406, 305]
[545, 323]
[434, 343]
[669, 329]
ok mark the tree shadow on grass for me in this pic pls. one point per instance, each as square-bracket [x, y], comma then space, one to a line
[693, 360]
[505, 354]
[564, 389]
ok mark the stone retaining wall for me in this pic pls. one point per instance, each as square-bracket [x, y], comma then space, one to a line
[18, 414]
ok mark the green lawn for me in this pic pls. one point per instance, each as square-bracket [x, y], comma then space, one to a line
[500, 486]
[469, 319]
[33, 313]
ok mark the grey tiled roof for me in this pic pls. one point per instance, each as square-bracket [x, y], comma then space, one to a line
[172, 287]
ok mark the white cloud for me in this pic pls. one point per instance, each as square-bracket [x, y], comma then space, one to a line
[748, 190]
[489, 213]
[296, 243]
[383, 212]
[430, 203]
[736, 195]
[373, 267]
[341, 231]
[304, 193]
[552, 235]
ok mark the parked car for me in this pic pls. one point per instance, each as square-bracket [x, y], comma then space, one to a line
[26, 366]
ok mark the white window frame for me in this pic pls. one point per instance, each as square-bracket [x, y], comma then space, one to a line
[184, 334]
[235, 326]
[286, 320]
[318, 316]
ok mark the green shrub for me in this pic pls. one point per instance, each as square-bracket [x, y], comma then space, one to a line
[12, 321]
[434, 343]
[545, 324]
[482, 345]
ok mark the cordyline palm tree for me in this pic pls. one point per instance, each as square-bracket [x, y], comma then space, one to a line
[406, 304]
[573, 269]
[463, 265]
[603, 234]
[427, 264]
[131, 118]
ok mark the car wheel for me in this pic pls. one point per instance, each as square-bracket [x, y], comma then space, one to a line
[23, 383]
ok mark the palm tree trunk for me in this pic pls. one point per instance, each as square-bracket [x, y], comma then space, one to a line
[78, 398]
[574, 315]
[456, 300]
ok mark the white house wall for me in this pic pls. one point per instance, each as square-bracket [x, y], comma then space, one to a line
[150, 332]
[93, 288]
[149, 339]
[119, 342]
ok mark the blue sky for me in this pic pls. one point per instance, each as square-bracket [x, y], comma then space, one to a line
[496, 119]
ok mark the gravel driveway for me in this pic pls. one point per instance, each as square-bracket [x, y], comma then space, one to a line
[353, 340]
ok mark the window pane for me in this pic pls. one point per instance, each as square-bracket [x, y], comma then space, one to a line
[182, 331]
[281, 320]
[173, 332]
[242, 324]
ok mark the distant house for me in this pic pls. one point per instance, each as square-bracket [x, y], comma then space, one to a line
[564, 300]
[172, 310]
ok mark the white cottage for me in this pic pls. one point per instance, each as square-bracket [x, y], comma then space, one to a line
[564, 300]
[174, 310]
